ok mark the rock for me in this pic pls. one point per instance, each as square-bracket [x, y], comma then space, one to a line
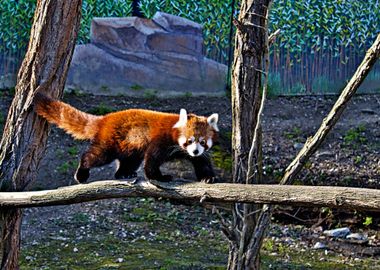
[368, 111]
[140, 57]
[324, 154]
[177, 24]
[100, 72]
[337, 233]
[298, 146]
[371, 251]
[75, 249]
[319, 245]
[358, 238]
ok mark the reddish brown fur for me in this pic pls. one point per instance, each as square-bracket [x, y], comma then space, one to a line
[129, 136]
[80, 125]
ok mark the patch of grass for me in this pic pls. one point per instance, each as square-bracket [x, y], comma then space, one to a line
[104, 88]
[110, 252]
[73, 151]
[101, 109]
[136, 87]
[67, 166]
[268, 245]
[150, 94]
[358, 160]
[187, 95]
[140, 214]
[80, 219]
[354, 137]
[76, 92]
[221, 159]
[293, 134]
[368, 221]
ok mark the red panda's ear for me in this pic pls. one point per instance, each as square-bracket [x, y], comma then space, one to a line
[212, 120]
[182, 119]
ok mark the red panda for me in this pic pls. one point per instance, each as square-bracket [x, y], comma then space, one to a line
[135, 135]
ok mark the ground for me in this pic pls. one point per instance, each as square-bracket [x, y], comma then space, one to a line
[155, 234]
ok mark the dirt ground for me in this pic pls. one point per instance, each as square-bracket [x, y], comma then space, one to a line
[349, 157]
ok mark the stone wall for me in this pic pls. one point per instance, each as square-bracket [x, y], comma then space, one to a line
[136, 56]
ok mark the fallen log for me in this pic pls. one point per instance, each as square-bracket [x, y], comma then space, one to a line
[307, 196]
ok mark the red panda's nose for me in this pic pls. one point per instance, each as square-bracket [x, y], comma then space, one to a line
[196, 152]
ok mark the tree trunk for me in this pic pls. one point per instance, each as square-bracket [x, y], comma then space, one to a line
[313, 143]
[44, 69]
[246, 85]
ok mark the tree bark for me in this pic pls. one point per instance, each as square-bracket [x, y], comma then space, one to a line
[246, 99]
[307, 196]
[43, 69]
[313, 143]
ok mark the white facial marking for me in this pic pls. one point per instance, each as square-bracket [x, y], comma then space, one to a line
[182, 140]
[212, 120]
[195, 149]
[182, 119]
[209, 142]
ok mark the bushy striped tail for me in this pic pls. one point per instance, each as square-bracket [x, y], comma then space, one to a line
[80, 125]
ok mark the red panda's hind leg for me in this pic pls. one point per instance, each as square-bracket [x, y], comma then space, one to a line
[128, 166]
[95, 156]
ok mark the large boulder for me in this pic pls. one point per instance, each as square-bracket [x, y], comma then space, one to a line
[135, 56]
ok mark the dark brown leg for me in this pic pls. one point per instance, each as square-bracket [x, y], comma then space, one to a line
[203, 169]
[155, 156]
[95, 156]
[128, 166]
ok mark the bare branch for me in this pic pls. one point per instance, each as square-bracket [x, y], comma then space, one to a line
[328, 123]
[273, 36]
[339, 197]
[314, 142]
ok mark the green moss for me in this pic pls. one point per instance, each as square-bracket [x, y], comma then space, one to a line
[110, 252]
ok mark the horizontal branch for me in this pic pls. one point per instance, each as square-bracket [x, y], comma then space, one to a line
[310, 196]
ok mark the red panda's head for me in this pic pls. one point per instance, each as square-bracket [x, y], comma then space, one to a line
[196, 133]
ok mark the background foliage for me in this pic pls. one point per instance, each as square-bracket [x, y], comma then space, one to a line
[321, 41]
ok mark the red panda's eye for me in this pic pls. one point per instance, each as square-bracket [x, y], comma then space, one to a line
[203, 142]
[189, 141]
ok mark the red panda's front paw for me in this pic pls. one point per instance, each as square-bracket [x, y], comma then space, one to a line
[209, 179]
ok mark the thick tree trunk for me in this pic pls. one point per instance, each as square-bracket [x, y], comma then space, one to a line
[246, 98]
[44, 69]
